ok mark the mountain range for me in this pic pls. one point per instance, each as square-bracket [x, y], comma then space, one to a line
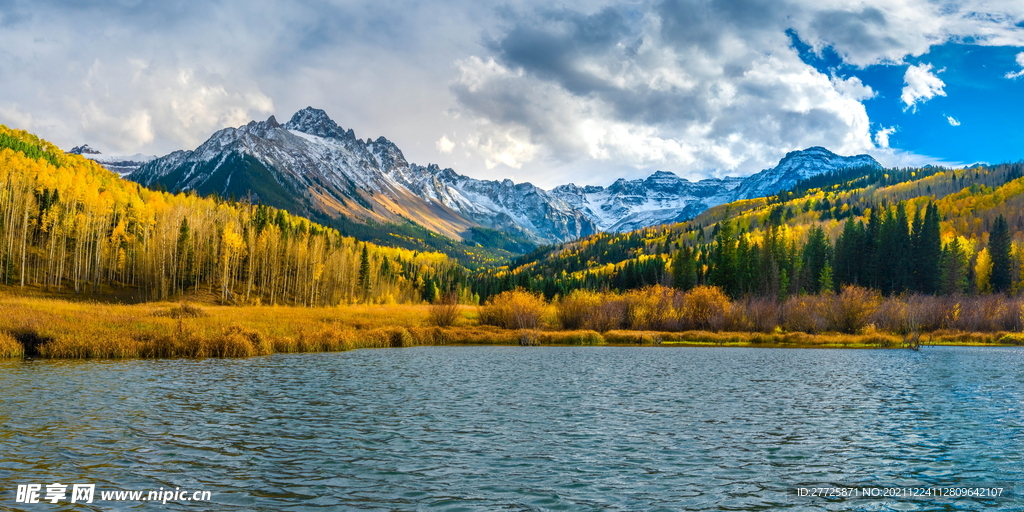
[121, 164]
[313, 167]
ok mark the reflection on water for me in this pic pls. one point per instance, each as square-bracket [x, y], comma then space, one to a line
[512, 428]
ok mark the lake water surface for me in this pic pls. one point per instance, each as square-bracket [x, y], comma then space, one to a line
[520, 428]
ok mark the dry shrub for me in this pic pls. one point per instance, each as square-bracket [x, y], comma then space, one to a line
[515, 309]
[634, 337]
[574, 311]
[705, 308]
[986, 313]
[650, 308]
[611, 314]
[482, 335]
[399, 337]
[804, 313]
[570, 338]
[763, 314]
[928, 311]
[183, 311]
[445, 310]
[9, 347]
[330, 338]
[893, 315]
[431, 335]
[850, 310]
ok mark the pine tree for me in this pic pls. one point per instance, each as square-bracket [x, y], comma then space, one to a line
[927, 254]
[684, 271]
[364, 272]
[816, 256]
[954, 268]
[999, 245]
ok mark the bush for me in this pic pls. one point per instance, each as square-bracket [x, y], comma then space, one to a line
[183, 311]
[575, 310]
[610, 315]
[650, 308]
[444, 311]
[804, 313]
[893, 315]
[705, 308]
[515, 309]
[762, 314]
[850, 310]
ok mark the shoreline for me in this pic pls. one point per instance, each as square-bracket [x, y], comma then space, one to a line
[48, 328]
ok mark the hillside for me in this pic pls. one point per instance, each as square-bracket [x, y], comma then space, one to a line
[67, 225]
[928, 230]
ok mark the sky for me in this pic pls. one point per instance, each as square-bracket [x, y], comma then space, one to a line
[539, 91]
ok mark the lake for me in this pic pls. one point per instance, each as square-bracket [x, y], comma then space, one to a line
[520, 428]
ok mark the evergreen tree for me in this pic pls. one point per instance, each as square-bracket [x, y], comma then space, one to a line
[684, 269]
[364, 272]
[999, 250]
[722, 271]
[927, 253]
[954, 268]
[816, 256]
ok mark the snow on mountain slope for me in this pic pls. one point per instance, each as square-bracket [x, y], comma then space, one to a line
[664, 197]
[121, 164]
[798, 165]
[311, 166]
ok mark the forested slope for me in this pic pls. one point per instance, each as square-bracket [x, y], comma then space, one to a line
[929, 230]
[67, 224]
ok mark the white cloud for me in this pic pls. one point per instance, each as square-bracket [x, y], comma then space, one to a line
[952, 121]
[882, 136]
[604, 89]
[1020, 62]
[921, 85]
[444, 145]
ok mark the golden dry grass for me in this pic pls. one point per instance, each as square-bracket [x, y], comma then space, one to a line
[53, 328]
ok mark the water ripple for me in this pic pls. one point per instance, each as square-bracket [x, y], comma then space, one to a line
[510, 428]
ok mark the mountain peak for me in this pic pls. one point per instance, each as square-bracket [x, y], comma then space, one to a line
[315, 121]
[84, 149]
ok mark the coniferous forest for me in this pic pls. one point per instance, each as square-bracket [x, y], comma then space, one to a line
[835, 253]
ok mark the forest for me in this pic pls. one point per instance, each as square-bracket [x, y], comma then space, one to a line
[69, 226]
[930, 231]
[857, 257]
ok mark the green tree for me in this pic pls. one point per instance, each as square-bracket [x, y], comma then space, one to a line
[364, 272]
[954, 268]
[684, 269]
[816, 256]
[999, 250]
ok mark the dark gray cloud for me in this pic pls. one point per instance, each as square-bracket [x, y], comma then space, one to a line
[585, 92]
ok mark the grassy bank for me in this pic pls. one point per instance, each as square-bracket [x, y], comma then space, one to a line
[53, 328]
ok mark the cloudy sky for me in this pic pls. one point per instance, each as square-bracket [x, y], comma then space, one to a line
[532, 90]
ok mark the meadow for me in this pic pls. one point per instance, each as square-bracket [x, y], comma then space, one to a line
[46, 327]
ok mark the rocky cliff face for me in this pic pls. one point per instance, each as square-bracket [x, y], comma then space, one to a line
[312, 166]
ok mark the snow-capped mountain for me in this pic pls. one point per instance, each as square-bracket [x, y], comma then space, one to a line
[795, 166]
[313, 167]
[664, 197]
[661, 198]
[121, 164]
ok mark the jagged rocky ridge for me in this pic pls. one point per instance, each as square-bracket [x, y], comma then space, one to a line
[121, 164]
[664, 197]
[311, 166]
